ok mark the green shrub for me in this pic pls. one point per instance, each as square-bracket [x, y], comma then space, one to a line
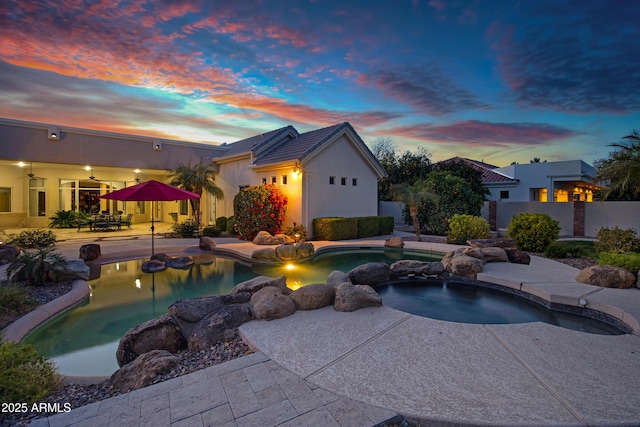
[32, 238]
[297, 232]
[556, 250]
[466, 227]
[368, 226]
[259, 208]
[186, 228]
[387, 224]
[63, 219]
[630, 260]
[211, 231]
[533, 231]
[617, 240]
[231, 225]
[14, 298]
[25, 375]
[35, 267]
[335, 228]
[221, 223]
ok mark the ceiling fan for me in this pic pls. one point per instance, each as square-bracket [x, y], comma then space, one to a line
[30, 175]
[91, 176]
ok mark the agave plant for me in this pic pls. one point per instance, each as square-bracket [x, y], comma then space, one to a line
[34, 267]
[63, 219]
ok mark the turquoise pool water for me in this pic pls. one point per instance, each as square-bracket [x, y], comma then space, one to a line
[84, 340]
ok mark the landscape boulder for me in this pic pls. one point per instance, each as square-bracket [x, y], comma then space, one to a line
[283, 238]
[8, 254]
[516, 256]
[304, 249]
[460, 264]
[497, 242]
[494, 254]
[90, 252]
[265, 238]
[195, 309]
[272, 303]
[313, 296]
[265, 254]
[71, 270]
[161, 333]
[207, 244]
[153, 266]
[607, 276]
[394, 242]
[161, 257]
[144, 370]
[180, 263]
[336, 277]
[286, 252]
[406, 267]
[371, 273]
[219, 325]
[351, 297]
[254, 285]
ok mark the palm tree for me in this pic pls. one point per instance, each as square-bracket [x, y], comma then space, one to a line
[412, 196]
[197, 179]
[622, 169]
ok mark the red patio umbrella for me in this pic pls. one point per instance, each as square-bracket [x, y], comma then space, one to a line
[150, 191]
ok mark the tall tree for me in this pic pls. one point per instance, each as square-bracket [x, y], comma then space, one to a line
[620, 172]
[413, 196]
[406, 168]
[198, 179]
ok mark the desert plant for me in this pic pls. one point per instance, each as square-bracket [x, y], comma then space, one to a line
[617, 240]
[464, 227]
[221, 223]
[211, 231]
[556, 250]
[32, 238]
[297, 232]
[63, 219]
[533, 231]
[35, 267]
[259, 208]
[14, 298]
[630, 260]
[25, 375]
[186, 228]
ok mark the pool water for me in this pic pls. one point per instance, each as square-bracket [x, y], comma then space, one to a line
[466, 303]
[83, 341]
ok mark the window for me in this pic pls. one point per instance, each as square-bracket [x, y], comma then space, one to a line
[283, 180]
[37, 198]
[5, 199]
[332, 180]
[184, 207]
[273, 180]
[504, 194]
[264, 180]
[343, 180]
[354, 182]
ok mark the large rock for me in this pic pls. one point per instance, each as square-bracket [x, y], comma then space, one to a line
[336, 277]
[8, 254]
[494, 254]
[180, 263]
[463, 265]
[497, 242]
[304, 249]
[90, 251]
[394, 242]
[314, 296]
[265, 238]
[271, 303]
[354, 297]
[371, 273]
[287, 252]
[153, 266]
[218, 326]
[207, 244]
[415, 268]
[144, 370]
[72, 270]
[162, 333]
[517, 257]
[161, 256]
[195, 309]
[283, 238]
[254, 285]
[607, 277]
[266, 254]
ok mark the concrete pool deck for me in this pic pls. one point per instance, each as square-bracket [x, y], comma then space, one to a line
[323, 367]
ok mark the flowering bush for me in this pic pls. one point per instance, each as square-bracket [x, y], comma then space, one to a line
[259, 208]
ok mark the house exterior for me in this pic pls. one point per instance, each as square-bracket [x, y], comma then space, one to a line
[45, 168]
[563, 181]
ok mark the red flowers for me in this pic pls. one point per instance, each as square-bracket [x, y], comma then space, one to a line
[259, 208]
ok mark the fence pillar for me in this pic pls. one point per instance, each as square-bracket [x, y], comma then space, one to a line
[493, 208]
[578, 219]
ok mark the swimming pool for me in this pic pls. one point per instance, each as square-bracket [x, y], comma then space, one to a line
[83, 341]
[456, 301]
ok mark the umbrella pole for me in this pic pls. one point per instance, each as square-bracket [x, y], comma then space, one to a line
[152, 229]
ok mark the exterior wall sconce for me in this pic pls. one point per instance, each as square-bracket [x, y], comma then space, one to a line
[137, 171]
[53, 133]
[157, 145]
[296, 170]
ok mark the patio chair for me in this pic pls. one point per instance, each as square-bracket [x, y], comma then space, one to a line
[127, 221]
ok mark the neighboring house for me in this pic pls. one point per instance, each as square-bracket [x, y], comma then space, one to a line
[562, 181]
[325, 172]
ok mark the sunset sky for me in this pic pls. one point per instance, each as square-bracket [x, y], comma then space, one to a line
[498, 81]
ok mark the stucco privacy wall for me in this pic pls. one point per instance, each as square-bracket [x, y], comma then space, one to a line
[338, 159]
[611, 214]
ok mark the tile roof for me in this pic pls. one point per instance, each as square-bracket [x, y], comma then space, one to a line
[258, 141]
[488, 174]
